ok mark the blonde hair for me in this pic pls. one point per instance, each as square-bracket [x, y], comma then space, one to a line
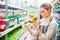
[47, 6]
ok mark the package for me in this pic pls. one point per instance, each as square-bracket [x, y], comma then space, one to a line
[1, 0]
[2, 25]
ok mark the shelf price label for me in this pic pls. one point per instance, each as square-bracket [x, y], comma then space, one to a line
[0, 35]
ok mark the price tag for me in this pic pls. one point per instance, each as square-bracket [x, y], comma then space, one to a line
[0, 35]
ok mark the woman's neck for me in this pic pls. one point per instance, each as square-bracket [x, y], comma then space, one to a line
[48, 18]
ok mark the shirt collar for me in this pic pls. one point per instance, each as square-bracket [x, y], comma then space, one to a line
[47, 19]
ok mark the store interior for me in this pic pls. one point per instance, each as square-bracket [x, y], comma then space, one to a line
[15, 13]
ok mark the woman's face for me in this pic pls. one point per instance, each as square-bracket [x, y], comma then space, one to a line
[44, 13]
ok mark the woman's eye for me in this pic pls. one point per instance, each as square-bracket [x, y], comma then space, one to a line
[42, 12]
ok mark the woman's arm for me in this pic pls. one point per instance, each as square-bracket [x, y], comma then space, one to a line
[50, 32]
[29, 29]
[36, 27]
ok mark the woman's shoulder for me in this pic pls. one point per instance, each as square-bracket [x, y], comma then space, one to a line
[54, 23]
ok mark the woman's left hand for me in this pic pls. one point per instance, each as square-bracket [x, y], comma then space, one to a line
[36, 23]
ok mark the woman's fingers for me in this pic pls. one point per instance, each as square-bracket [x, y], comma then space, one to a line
[35, 24]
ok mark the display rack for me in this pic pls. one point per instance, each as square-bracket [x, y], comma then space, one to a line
[57, 16]
[12, 28]
[6, 6]
[8, 30]
[3, 4]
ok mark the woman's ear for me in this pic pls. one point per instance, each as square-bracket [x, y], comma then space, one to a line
[49, 10]
[52, 7]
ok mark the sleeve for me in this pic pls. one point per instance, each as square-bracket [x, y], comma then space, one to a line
[34, 33]
[51, 30]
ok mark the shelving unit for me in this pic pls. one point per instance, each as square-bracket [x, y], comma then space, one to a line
[27, 35]
[12, 28]
[57, 16]
[3, 4]
[8, 30]
[7, 7]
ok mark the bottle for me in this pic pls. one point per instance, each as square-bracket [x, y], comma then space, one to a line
[2, 25]
[34, 19]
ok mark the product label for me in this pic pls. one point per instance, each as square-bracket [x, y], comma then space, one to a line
[0, 34]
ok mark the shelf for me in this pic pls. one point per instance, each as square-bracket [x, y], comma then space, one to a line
[8, 30]
[2, 5]
[26, 35]
[12, 7]
[3, 10]
[23, 35]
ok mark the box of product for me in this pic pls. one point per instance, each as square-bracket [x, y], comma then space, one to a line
[15, 34]
[2, 25]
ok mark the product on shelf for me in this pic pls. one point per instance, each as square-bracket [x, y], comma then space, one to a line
[26, 36]
[2, 24]
[57, 16]
[27, 23]
[14, 35]
[2, 13]
[1, 0]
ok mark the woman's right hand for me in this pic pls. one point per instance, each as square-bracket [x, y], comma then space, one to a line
[36, 23]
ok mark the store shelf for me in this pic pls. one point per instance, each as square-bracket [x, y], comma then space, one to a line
[8, 30]
[25, 19]
[12, 7]
[2, 5]
[23, 35]
[3, 11]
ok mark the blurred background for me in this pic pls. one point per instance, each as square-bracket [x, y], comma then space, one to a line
[13, 13]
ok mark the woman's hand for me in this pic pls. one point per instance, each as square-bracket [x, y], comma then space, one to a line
[36, 23]
[29, 29]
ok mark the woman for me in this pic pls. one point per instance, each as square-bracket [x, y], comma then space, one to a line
[48, 26]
